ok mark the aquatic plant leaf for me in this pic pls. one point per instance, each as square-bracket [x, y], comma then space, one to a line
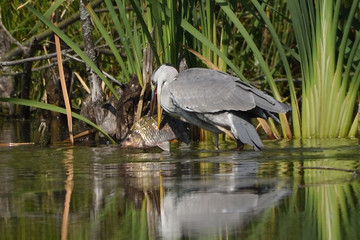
[47, 14]
[73, 46]
[329, 93]
[193, 31]
[281, 51]
[35, 104]
[109, 41]
[249, 40]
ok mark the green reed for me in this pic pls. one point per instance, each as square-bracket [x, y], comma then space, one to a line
[330, 74]
[245, 38]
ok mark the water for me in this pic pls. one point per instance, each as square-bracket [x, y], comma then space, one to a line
[193, 192]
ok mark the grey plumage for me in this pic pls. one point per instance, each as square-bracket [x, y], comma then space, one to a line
[215, 101]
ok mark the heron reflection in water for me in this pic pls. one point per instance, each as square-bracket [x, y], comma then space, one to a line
[215, 101]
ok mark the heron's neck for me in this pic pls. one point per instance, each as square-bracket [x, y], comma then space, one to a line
[167, 76]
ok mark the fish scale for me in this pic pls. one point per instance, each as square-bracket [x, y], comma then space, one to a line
[145, 133]
[147, 128]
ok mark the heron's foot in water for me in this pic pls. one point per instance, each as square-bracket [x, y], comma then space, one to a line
[216, 140]
[240, 146]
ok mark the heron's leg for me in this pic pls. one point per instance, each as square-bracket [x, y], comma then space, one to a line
[240, 145]
[216, 140]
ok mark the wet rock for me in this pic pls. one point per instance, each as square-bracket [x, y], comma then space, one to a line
[127, 106]
[117, 117]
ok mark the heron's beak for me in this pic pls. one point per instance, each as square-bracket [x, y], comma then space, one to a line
[155, 98]
[153, 101]
[159, 111]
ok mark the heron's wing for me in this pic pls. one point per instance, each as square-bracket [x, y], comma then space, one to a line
[243, 130]
[205, 90]
[264, 101]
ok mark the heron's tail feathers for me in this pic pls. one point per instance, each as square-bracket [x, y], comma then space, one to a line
[269, 114]
[244, 131]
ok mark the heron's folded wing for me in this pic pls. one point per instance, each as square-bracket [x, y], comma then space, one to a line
[205, 90]
[263, 100]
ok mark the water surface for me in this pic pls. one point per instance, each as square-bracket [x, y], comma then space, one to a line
[193, 192]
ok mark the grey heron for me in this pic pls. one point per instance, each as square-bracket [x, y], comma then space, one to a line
[215, 101]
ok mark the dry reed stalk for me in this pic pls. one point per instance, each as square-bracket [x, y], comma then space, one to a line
[63, 88]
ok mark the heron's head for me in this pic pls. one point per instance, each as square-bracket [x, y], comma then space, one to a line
[163, 73]
[160, 76]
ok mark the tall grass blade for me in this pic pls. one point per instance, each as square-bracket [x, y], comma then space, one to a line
[130, 59]
[47, 14]
[41, 105]
[206, 61]
[109, 41]
[145, 28]
[193, 31]
[130, 33]
[73, 46]
[231, 15]
[281, 51]
[328, 94]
